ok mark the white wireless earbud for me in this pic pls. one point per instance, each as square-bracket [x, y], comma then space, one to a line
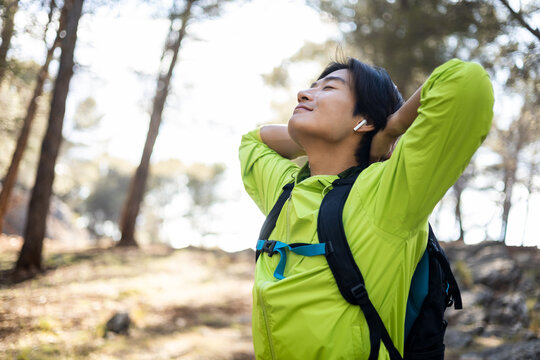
[360, 124]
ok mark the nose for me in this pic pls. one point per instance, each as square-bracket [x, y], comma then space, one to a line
[304, 95]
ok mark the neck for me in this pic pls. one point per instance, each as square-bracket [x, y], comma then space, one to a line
[330, 160]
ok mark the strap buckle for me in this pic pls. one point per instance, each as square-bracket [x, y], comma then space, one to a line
[268, 247]
[360, 294]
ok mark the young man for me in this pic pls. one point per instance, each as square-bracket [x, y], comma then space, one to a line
[351, 117]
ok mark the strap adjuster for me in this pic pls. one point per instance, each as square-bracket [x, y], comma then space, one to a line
[360, 294]
[268, 247]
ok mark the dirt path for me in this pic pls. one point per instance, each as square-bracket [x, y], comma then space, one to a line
[188, 304]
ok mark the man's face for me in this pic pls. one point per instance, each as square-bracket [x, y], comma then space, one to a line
[325, 110]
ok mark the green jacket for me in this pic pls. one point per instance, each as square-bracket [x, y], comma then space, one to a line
[385, 217]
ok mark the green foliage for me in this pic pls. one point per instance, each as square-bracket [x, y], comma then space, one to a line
[24, 354]
[15, 94]
[209, 9]
[279, 77]
[86, 115]
[128, 293]
[83, 136]
[534, 325]
[464, 274]
[46, 324]
[104, 203]
[14, 98]
[163, 185]
[202, 180]
[106, 199]
[410, 38]
[100, 329]
[520, 43]
[24, 73]
[67, 259]
[43, 352]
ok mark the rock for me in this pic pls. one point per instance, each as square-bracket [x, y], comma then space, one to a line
[529, 335]
[526, 350]
[470, 357]
[499, 331]
[471, 314]
[501, 305]
[455, 339]
[118, 323]
[509, 309]
[526, 286]
[483, 295]
[494, 267]
[537, 306]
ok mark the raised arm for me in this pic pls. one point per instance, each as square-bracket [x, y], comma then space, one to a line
[264, 170]
[453, 119]
[277, 138]
[384, 141]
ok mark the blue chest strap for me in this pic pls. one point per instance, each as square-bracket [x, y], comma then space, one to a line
[272, 247]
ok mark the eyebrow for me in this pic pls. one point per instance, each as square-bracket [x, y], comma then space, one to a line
[329, 78]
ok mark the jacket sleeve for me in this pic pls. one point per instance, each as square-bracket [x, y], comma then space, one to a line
[264, 172]
[453, 120]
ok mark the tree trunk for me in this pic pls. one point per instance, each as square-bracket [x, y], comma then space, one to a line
[137, 187]
[8, 25]
[459, 187]
[11, 176]
[509, 180]
[533, 165]
[458, 190]
[30, 256]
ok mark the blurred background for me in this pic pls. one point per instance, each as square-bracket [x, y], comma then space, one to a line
[120, 122]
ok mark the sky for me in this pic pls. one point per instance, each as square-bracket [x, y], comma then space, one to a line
[218, 94]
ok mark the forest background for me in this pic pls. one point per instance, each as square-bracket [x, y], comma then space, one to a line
[120, 120]
[231, 73]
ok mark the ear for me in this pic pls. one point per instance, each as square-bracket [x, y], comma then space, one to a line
[363, 126]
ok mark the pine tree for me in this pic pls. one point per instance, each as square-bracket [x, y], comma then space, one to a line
[8, 25]
[138, 183]
[11, 176]
[34, 233]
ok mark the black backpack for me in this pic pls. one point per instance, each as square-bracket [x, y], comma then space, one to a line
[433, 286]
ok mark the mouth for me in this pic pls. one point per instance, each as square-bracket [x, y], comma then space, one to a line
[302, 107]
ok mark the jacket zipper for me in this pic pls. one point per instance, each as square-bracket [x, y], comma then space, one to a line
[265, 315]
[266, 283]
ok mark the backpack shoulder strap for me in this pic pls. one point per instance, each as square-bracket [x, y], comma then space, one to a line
[341, 261]
[436, 250]
[272, 217]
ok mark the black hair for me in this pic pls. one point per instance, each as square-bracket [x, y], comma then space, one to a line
[376, 97]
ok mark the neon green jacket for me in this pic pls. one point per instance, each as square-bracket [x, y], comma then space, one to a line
[385, 217]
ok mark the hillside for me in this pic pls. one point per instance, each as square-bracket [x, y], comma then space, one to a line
[196, 304]
[189, 304]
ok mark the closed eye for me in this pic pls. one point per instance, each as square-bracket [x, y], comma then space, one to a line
[327, 80]
[328, 87]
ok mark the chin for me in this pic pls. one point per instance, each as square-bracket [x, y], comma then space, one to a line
[294, 130]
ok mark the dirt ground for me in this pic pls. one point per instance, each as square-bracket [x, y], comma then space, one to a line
[184, 304]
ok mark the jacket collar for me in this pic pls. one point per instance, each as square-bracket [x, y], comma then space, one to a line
[305, 172]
